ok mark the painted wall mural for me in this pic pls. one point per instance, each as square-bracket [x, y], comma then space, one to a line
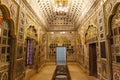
[66, 39]
[91, 34]
[22, 18]
[31, 32]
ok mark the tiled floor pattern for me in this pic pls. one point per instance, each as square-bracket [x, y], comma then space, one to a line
[75, 71]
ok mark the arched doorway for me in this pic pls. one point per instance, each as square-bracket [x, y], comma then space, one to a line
[31, 42]
[6, 44]
[91, 37]
[114, 38]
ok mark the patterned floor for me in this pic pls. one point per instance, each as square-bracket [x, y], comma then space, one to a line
[75, 71]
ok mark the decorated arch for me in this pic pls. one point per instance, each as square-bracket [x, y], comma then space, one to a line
[114, 37]
[31, 40]
[91, 33]
[7, 37]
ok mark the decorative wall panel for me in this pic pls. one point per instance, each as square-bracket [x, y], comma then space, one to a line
[95, 17]
[20, 69]
[20, 51]
[103, 49]
[91, 34]
[66, 39]
[14, 9]
[115, 23]
[22, 16]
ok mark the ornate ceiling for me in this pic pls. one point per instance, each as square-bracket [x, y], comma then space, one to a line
[52, 14]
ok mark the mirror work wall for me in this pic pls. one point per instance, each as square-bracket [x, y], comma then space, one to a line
[25, 46]
[105, 16]
[5, 45]
[115, 42]
[19, 29]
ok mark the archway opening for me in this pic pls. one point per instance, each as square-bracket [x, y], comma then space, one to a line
[114, 37]
[91, 37]
[31, 42]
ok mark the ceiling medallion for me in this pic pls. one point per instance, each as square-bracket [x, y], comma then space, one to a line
[61, 7]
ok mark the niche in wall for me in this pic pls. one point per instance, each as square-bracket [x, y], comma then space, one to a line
[6, 43]
[103, 49]
[5, 38]
[118, 59]
[29, 54]
[30, 43]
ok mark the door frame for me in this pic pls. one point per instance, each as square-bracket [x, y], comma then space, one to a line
[92, 66]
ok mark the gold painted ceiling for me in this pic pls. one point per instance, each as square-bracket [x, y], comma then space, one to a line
[60, 14]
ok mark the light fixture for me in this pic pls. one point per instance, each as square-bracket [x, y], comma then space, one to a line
[61, 7]
[62, 32]
[52, 32]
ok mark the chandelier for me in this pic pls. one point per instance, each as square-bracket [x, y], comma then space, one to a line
[61, 7]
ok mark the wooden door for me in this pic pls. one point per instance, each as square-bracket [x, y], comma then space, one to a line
[92, 60]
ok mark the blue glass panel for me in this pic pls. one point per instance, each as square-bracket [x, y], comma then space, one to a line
[61, 55]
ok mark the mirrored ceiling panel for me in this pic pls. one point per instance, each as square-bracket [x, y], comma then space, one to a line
[61, 13]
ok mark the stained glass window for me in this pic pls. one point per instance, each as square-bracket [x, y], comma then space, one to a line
[29, 51]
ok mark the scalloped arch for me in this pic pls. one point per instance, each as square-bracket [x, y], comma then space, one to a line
[6, 15]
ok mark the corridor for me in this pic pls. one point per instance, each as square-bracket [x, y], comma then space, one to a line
[36, 34]
[76, 73]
